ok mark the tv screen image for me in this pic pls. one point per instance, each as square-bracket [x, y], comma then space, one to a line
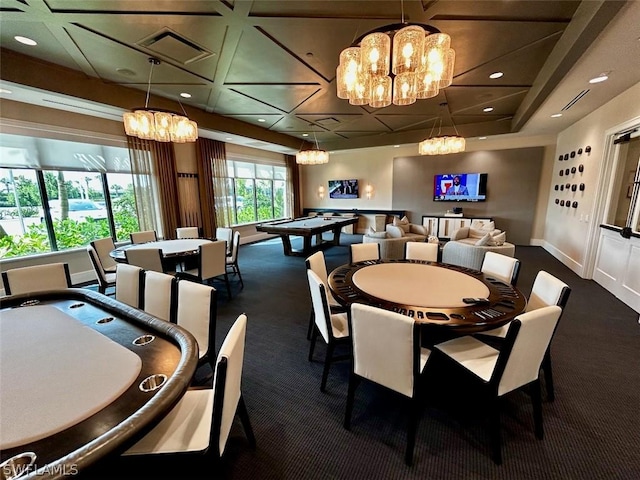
[343, 188]
[460, 187]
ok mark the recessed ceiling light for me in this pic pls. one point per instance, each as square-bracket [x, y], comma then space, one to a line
[228, 138]
[488, 109]
[261, 120]
[495, 75]
[185, 95]
[604, 76]
[305, 134]
[482, 138]
[396, 146]
[4, 90]
[126, 72]
[556, 115]
[26, 41]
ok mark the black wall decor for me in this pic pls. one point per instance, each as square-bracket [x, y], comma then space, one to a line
[568, 204]
[573, 169]
[579, 151]
[567, 186]
[573, 154]
[566, 156]
[562, 203]
[555, 187]
[574, 204]
[587, 149]
[574, 187]
[561, 172]
[557, 201]
[560, 158]
[566, 171]
[581, 168]
[562, 188]
[582, 187]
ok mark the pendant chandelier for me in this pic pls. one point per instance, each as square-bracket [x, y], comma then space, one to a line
[397, 64]
[312, 156]
[159, 125]
[442, 145]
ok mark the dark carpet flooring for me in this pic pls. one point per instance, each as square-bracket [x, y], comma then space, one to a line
[592, 429]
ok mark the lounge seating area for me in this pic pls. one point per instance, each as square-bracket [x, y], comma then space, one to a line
[396, 234]
[468, 245]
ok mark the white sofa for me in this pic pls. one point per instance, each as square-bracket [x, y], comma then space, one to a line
[463, 248]
[393, 239]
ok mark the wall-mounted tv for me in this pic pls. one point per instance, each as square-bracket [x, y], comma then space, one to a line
[343, 188]
[460, 187]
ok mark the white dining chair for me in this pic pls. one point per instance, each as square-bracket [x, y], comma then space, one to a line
[201, 421]
[38, 278]
[359, 252]
[495, 373]
[143, 237]
[501, 267]
[212, 263]
[160, 295]
[421, 251]
[147, 258]
[386, 351]
[103, 247]
[226, 234]
[232, 258]
[129, 284]
[188, 232]
[316, 263]
[105, 279]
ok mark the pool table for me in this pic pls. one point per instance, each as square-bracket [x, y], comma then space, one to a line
[307, 228]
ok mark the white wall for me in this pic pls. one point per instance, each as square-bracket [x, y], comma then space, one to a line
[567, 229]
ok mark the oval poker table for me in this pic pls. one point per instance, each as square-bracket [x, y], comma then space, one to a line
[83, 376]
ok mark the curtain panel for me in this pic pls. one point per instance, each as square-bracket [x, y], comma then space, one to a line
[155, 185]
[214, 188]
[293, 176]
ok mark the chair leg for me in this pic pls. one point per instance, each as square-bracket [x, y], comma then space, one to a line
[414, 418]
[536, 398]
[496, 442]
[312, 346]
[548, 376]
[246, 423]
[226, 281]
[351, 393]
[237, 270]
[327, 363]
[311, 323]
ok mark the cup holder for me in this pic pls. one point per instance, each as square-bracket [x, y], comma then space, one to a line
[17, 466]
[105, 320]
[153, 382]
[30, 303]
[457, 316]
[77, 305]
[143, 340]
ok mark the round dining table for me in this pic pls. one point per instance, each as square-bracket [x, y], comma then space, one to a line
[430, 292]
[175, 249]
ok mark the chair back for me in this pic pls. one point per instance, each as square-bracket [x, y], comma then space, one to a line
[101, 275]
[547, 290]
[316, 263]
[385, 347]
[320, 304]
[197, 312]
[159, 295]
[527, 340]
[143, 237]
[129, 283]
[188, 232]
[226, 234]
[360, 252]
[233, 256]
[421, 251]
[227, 382]
[501, 267]
[103, 247]
[147, 258]
[38, 278]
[213, 259]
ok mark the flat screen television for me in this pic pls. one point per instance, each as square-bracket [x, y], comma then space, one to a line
[460, 187]
[343, 188]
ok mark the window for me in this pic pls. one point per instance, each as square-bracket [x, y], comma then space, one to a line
[625, 202]
[258, 191]
[87, 189]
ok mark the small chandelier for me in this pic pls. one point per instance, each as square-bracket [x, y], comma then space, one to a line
[312, 156]
[442, 145]
[159, 125]
[420, 58]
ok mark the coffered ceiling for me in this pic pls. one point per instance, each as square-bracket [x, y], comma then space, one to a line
[271, 64]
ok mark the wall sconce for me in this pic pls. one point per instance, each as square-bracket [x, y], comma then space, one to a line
[320, 192]
[368, 191]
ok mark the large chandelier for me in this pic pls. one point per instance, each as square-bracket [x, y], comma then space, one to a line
[442, 145]
[159, 125]
[397, 64]
[314, 156]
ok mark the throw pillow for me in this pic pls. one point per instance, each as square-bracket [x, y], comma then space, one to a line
[419, 229]
[460, 233]
[403, 223]
[377, 235]
[395, 232]
[483, 225]
[481, 232]
[484, 240]
[499, 239]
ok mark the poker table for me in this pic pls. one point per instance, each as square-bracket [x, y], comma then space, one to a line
[83, 376]
[307, 228]
[431, 292]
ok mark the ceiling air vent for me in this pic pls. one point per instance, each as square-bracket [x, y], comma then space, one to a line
[169, 44]
[575, 100]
